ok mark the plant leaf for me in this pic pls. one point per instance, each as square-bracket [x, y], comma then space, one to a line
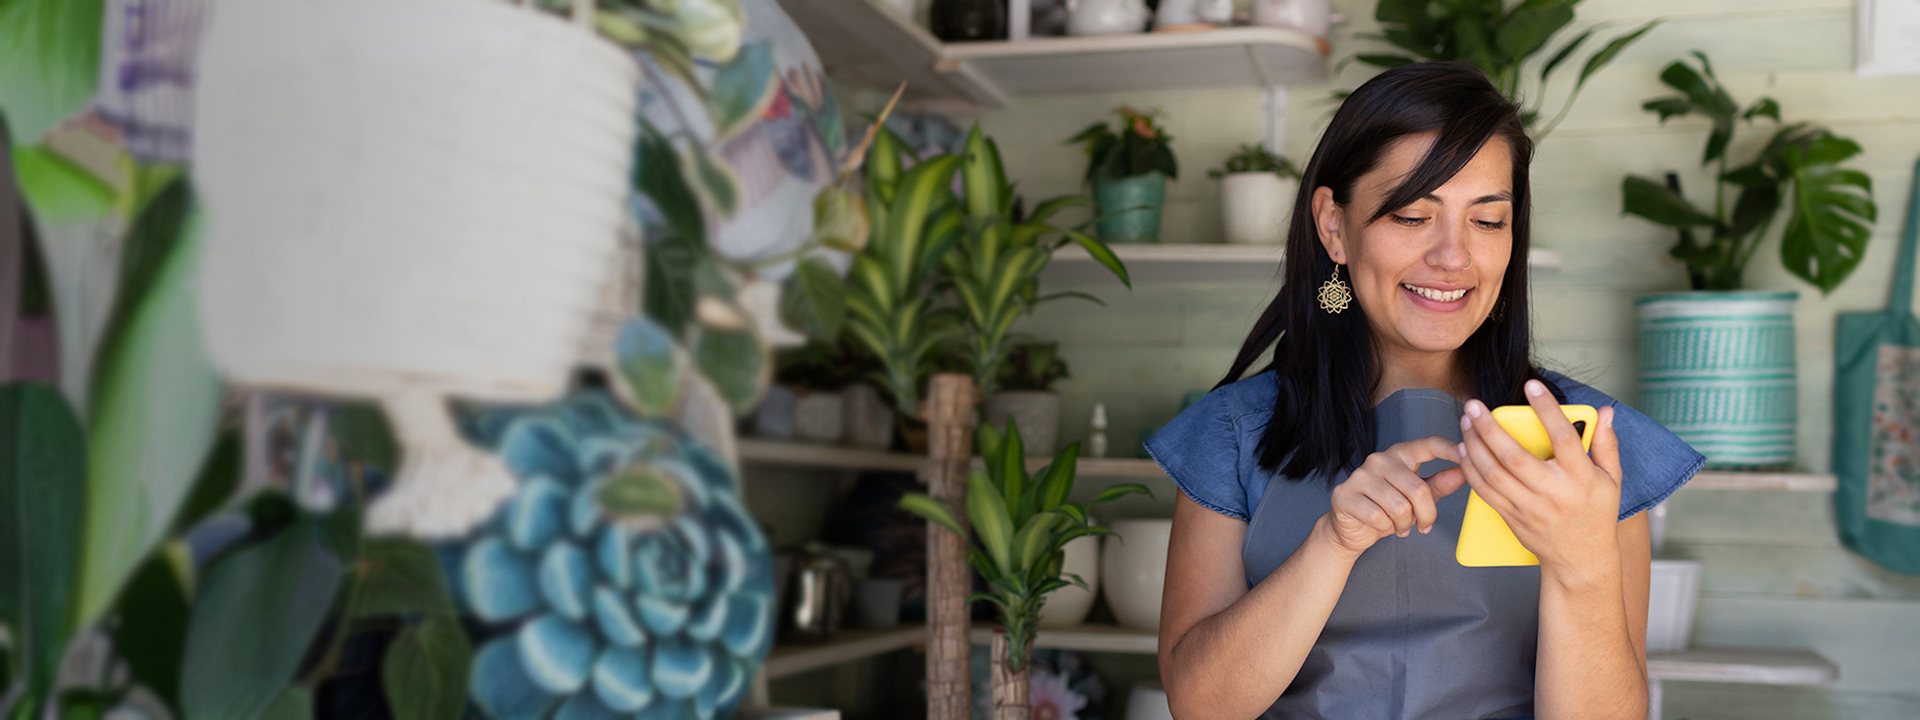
[152, 630]
[1119, 491]
[657, 175]
[736, 362]
[933, 510]
[43, 498]
[1102, 254]
[814, 301]
[425, 672]
[1565, 52]
[982, 177]
[293, 703]
[1606, 55]
[402, 576]
[1833, 212]
[155, 404]
[1031, 543]
[987, 510]
[1058, 481]
[1527, 29]
[253, 619]
[49, 61]
[1765, 106]
[1654, 201]
[714, 180]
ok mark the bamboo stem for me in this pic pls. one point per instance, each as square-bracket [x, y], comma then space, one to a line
[949, 412]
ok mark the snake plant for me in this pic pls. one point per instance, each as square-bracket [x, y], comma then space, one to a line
[1021, 523]
[994, 269]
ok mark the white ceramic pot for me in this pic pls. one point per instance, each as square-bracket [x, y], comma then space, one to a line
[1069, 605]
[1108, 17]
[774, 416]
[423, 207]
[1133, 570]
[819, 416]
[1037, 413]
[1313, 17]
[869, 417]
[1194, 14]
[1254, 207]
[1673, 591]
[1148, 701]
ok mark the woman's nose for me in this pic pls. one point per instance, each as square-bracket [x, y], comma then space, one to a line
[1449, 251]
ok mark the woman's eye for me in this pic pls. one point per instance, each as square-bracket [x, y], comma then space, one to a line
[1409, 221]
[1492, 224]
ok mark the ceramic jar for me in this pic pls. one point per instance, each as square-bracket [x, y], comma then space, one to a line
[1038, 414]
[1133, 569]
[1108, 17]
[1313, 17]
[1069, 605]
[1254, 207]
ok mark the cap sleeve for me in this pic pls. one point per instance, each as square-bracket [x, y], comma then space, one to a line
[1653, 461]
[1200, 450]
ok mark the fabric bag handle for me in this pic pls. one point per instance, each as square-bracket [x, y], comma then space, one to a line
[1909, 249]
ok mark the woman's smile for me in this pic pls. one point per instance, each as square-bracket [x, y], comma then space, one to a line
[1437, 297]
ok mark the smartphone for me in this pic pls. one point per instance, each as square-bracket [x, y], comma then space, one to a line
[1485, 538]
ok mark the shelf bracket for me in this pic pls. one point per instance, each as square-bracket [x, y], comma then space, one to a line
[1276, 116]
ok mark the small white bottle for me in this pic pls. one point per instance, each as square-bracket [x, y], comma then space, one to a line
[1097, 440]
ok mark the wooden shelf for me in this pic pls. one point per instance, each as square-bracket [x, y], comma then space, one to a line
[1796, 482]
[847, 645]
[1170, 262]
[1743, 665]
[865, 44]
[796, 454]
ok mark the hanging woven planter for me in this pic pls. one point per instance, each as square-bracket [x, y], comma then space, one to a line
[412, 202]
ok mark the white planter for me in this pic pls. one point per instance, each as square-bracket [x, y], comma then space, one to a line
[1313, 17]
[1038, 414]
[819, 416]
[1133, 570]
[1069, 605]
[1673, 591]
[869, 417]
[1108, 17]
[1148, 701]
[1254, 207]
[415, 208]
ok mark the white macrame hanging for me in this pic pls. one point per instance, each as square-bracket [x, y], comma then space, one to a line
[411, 201]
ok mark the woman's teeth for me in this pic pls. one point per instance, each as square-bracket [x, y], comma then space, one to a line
[1436, 295]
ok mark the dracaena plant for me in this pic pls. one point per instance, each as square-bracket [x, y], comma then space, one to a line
[1021, 523]
[891, 309]
[1832, 207]
[1255, 158]
[994, 267]
[1499, 38]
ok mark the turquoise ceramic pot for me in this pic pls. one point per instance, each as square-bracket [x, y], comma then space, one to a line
[1130, 207]
[1717, 368]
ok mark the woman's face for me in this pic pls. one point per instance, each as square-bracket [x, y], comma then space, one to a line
[1427, 274]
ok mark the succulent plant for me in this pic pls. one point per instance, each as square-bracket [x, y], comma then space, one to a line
[623, 579]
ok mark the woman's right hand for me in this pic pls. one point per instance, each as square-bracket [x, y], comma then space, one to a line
[1386, 495]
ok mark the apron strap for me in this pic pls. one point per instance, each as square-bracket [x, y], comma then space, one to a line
[1909, 247]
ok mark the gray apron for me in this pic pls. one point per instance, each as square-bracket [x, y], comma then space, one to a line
[1415, 634]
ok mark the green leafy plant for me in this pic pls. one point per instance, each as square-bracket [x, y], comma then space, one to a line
[1254, 157]
[1832, 207]
[1496, 36]
[1033, 366]
[1020, 523]
[891, 309]
[820, 365]
[1135, 146]
[994, 268]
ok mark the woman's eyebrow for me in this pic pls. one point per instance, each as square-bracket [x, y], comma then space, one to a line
[1502, 196]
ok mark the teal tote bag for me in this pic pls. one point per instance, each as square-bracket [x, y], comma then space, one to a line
[1876, 419]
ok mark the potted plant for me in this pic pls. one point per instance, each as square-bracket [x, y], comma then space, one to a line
[1021, 522]
[1717, 363]
[993, 269]
[1128, 167]
[1025, 394]
[814, 377]
[1498, 38]
[1256, 191]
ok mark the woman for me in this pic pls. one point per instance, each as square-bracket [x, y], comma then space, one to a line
[1311, 571]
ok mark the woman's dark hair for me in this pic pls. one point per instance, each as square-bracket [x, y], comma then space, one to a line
[1327, 366]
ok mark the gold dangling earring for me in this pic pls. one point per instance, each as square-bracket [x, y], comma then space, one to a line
[1335, 295]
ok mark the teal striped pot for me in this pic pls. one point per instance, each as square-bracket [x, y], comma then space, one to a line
[1717, 368]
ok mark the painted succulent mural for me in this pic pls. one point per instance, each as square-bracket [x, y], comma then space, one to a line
[624, 579]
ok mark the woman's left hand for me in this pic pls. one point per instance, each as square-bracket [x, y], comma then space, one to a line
[1564, 509]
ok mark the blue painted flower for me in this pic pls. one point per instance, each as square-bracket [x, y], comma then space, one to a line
[625, 575]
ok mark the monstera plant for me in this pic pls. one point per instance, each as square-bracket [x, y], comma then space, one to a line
[1717, 364]
[1021, 523]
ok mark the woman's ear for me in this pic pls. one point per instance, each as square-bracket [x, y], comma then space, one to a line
[1326, 220]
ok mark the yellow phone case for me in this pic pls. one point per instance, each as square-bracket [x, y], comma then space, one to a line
[1485, 538]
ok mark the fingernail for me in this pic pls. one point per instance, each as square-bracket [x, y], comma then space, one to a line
[1426, 529]
[1404, 533]
[1462, 449]
[1466, 422]
[1535, 388]
[1475, 408]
